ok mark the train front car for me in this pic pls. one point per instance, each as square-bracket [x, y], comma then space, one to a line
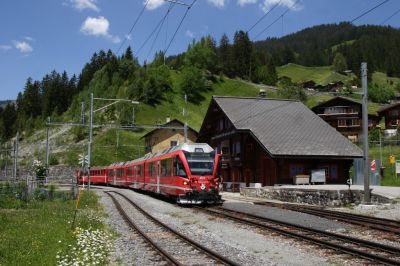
[200, 162]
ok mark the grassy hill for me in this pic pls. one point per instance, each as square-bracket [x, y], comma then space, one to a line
[121, 145]
[320, 75]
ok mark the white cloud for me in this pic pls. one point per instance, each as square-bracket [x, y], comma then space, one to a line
[267, 4]
[29, 38]
[189, 34]
[245, 2]
[5, 47]
[98, 27]
[23, 47]
[85, 4]
[153, 4]
[217, 3]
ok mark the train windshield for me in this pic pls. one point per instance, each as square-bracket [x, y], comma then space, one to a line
[200, 163]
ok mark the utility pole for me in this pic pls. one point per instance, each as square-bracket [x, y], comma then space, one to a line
[367, 196]
[90, 138]
[6, 164]
[16, 156]
[82, 113]
[47, 143]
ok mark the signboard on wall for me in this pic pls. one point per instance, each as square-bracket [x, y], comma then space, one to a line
[318, 176]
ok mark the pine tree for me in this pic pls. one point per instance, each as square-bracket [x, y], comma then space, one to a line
[224, 55]
[241, 51]
[339, 63]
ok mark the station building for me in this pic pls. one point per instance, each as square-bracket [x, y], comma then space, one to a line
[266, 142]
[168, 135]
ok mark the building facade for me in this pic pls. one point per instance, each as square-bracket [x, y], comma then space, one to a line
[265, 142]
[346, 116]
[168, 135]
[391, 113]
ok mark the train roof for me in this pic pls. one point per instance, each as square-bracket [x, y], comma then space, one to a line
[195, 147]
[183, 147]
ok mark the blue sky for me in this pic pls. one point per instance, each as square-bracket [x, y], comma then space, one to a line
[39, 36]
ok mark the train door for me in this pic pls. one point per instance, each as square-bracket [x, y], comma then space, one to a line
[135, 174]
[158, 176]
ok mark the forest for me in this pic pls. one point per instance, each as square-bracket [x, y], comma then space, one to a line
[344, 46]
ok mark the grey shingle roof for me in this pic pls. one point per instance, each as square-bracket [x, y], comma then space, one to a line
[286, 127]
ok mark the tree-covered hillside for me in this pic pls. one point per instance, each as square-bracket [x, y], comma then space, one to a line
[207, 67]
[318, 45]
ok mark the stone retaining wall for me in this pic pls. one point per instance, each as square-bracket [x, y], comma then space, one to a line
[312, 196]
[56, 174]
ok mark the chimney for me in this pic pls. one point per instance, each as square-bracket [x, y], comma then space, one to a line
[261, 94]
[168, 119]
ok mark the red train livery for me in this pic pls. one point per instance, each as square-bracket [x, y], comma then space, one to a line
[186, 172]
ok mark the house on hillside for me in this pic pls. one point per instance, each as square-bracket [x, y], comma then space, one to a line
[345, 115]
[168, 135]
[391, 113]
[266, 142]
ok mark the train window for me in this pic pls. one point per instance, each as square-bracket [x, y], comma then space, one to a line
[140, 170]
[120, 172]
[166, 167]
[129, 171]
[179, 168]
[150, 170]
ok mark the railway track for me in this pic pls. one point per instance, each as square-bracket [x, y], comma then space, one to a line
[172, 246]
[381, 224]
[371, 251]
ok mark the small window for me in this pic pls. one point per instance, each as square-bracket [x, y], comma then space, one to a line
[341, 123]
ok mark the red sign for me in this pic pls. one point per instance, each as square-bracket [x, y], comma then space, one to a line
[373, 165]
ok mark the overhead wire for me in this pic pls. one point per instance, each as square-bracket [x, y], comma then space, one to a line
[133, 26]
[368, 11]
[266, 14]
[388, 18]
[276, 20]
[180, 24]
[155, 29]
[159, 30]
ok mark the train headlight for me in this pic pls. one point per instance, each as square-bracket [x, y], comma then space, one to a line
[185, 183]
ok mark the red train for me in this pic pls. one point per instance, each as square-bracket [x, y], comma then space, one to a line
[187, 172]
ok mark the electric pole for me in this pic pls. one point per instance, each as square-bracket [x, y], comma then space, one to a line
[47, 143]
[367, 196]
[90, 138]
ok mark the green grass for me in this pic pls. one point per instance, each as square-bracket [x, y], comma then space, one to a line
[320, 75]
[389, 178]
[32, 233]
[383, 80]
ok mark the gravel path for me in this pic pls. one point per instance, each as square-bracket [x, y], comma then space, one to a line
[298, 218]
[242, 244]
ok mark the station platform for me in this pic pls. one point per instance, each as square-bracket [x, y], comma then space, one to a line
[324, 195]
[388, 192]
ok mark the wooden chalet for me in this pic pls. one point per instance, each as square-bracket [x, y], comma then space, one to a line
[265, 142]
[168, 135]
[345, 115]
[391, 113]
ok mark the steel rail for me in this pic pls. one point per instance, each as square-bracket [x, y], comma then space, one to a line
[382, 224]
[197, 245]
[326, 243]
[131, 224]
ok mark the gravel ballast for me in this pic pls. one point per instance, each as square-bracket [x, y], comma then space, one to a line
[244, 245]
